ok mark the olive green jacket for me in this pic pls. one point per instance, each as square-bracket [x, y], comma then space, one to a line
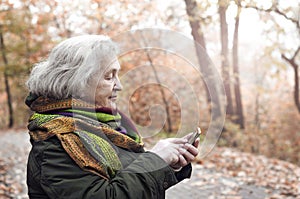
[52, 173]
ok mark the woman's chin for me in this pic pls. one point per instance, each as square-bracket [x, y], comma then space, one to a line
[111, 105]
[108, 104]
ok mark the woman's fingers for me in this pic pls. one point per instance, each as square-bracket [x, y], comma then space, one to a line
[182, 140]
[192, 149]
[182, 161]
[187, 155]
[188, 152]
[196, 143]
[176, 151]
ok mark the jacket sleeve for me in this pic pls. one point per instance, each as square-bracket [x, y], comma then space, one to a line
[184, 173]
[148, 176]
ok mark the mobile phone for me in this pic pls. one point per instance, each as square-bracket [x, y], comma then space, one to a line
[195, 135]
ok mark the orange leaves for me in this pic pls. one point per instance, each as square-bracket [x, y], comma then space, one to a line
[278, 178]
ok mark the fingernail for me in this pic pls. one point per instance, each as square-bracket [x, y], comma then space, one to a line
[188, 144]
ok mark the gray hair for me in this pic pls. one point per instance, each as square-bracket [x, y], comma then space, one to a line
[70, 66]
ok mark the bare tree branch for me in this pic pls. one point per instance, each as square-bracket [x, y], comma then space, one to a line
[297, 51]
[276, 10]
[285, 16]
[292, 59]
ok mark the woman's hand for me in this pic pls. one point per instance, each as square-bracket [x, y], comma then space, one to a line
[176, 152]
[188, 153]
[168, 149]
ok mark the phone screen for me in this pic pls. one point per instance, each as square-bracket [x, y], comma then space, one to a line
[195, 135]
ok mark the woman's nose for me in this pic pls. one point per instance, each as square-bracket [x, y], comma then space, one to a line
[118, 85]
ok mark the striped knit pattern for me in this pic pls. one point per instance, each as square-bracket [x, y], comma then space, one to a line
[91, 143]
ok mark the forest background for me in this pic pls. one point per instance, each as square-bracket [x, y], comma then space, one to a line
[254, 45]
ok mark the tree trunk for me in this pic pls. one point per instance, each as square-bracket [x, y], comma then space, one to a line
[296, 88]
[6, 83]
[213, 89]
[256, 110]
[295, 66]
[200, 44]
[161, 89]
[224, 55]
[235, 64]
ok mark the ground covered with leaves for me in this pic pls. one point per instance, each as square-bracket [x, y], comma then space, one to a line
[225, 173]
[228, 173]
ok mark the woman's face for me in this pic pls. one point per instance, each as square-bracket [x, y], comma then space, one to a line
[107, 86]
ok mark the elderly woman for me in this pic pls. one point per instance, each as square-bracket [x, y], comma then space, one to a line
[82, 146]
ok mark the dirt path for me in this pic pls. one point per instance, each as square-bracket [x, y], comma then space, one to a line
[225, 173]
[209, 184]
[14, 147]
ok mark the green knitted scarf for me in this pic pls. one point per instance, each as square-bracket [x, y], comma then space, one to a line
[100, 132]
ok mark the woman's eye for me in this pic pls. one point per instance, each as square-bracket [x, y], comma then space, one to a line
[109, 77]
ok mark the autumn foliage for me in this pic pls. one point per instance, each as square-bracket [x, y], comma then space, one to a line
[267, 74]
